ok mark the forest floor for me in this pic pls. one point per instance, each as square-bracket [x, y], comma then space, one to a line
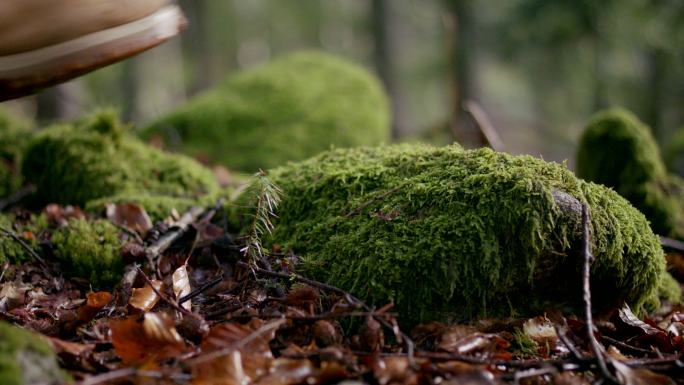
[193, 309]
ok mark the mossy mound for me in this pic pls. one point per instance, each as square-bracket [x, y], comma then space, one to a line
[619, 151]
[90, 250]
[10, 249]
[14, 136]
[448, 233]
[26, 359]
[95, 159]
[289, 109]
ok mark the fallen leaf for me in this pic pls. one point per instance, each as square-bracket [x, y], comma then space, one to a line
[181, 285]
[626, 315]
[94, 303]
[638, 376]
[371, 336]
[145, 298]
[60, 215]
[325, 333]
[151, 338]
[226, 371]
[129, 215]
[285, 371]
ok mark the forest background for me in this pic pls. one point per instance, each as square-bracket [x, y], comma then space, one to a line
[538, 68]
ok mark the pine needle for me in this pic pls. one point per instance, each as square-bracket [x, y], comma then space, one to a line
[267, 199]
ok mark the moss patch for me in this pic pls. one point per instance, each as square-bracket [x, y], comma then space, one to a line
[447, 233]
[10, 249]
[90, 250]
[25, 358]
[74, 164]
[14, 136]
[289, 109]
[619, 151]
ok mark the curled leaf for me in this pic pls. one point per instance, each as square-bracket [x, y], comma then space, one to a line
[145, 298]
[181, 285]
[129, 215]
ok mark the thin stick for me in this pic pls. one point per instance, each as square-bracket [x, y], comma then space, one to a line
[17, 196]
[167, 240]
[586, 272]
[16, 238]
[568, 344]
[484, 124]
[671, 244]
[239, 344]
[199, 290]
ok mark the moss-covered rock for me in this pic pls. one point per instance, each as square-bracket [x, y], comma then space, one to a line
[619, 151]
[94, 159]
[289, 109]
[450, 233]
[26, 359]
[90, 250]
[14, 136]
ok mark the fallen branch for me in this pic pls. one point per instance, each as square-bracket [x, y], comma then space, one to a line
[586, 273]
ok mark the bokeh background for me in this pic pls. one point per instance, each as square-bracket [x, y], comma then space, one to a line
[537, 68]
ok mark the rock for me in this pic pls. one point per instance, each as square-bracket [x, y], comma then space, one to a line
[96, 161]
[619, 151]
[452, 234]
[288, 109]
[26, 359]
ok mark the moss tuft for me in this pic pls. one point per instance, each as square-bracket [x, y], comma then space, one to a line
[289, 109]
[447, 233]
[25, 358]
[14, 136]
[619, 151]
[10, 249]
[74, 164]
[90, 250]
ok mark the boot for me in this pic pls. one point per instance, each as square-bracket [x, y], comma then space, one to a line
[45, 42]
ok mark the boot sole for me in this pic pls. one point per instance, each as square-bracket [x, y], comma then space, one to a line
[26, 72]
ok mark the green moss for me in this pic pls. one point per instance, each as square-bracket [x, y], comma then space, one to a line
[289, 109]
[10, 249]
[90, 250]
[14, 136]
[619, 151]
[74, 164]
[26, 359]
[447, 233]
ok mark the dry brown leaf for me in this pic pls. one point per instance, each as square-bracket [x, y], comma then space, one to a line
[94, 303]
[61, 215]
[129, 215]
[394, 370]
[237, 352]
[325, 333]
[151, 338]
[145, 298]
[226, 370]
[285, 371]
[371, 336]
[181, 285]
[70, 348]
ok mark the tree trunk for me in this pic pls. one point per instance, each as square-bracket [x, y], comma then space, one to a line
[384, 58]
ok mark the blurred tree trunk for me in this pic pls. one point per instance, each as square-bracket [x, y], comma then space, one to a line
[59, 103]
[195, 42]
[657, 63]
[458, 28]
[385, 59]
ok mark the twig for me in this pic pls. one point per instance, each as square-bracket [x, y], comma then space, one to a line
[484, 124]
[629, 348]
[199, 290]
[568, 344]
[17, 196]
[408, 342]
[586, 272]
[239, 344]
[167, 239]
[672, 244]
[166, 299]
[16, 238]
